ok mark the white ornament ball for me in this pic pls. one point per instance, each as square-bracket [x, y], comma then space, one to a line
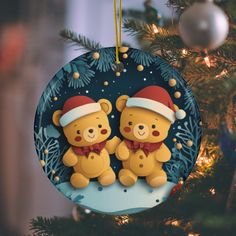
[180, 114]
[204, 26]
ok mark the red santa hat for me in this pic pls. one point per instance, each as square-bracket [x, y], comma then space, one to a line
[76, 107]
[156, 99]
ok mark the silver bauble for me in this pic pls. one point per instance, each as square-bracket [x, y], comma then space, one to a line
[203, 26]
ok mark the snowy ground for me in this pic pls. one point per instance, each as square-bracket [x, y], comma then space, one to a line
[116, 199]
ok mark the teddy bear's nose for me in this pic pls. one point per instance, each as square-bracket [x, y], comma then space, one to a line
[141, 126]
[90, 131]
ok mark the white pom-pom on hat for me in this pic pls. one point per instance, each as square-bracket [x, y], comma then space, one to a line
[180, 114]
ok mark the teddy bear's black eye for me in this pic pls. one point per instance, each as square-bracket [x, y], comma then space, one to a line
[130, 123]
[99, 126]
[78, 131]
[153, 126]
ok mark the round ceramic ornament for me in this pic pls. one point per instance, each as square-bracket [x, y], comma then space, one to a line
[117, 142]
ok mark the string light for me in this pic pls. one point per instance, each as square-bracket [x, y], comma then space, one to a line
[212, 191]
[155, 29]
[87, 211]
[222, 74]
[173, 222]
[184, 52]
[206, 159]
[193, 234]
[207, 61]
[122, 220]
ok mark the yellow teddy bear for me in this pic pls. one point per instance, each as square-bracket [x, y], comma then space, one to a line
[86, 127]
[144, 123]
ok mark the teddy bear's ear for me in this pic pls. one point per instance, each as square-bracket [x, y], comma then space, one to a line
[105, 105]
[121, 102]
[56, 117]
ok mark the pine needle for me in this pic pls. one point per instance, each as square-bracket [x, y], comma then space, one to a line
[80, 40]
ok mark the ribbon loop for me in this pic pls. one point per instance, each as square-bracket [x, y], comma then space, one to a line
[118, 30]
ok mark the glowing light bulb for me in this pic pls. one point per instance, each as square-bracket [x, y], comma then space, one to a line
[212, 191]
[155, 29]
[184, 52]
[207, 61]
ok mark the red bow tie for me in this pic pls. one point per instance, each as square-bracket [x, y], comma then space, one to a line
[145, 147]
[97, 148]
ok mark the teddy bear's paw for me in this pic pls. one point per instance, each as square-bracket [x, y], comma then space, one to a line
[163, 154]
[127, 177]
[69, 159]
[113, 144]
[122, 153]
[77, 180]
[157, 180]
[108, 177]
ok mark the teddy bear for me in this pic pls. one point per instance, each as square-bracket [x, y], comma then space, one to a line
[144, 123]
[86, 127]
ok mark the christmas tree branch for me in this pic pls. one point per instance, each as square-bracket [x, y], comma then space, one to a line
[179, 5]
[139, 28]
[53, 226]
[168, 44]
[137, 14]
[80, 40]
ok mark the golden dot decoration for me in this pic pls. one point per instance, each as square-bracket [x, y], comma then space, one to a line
[53, 172]
[176, 107]
[189, 143]
[96, 55]
[125, 56]
[123, 49]
[55, 99]
[200, 123]
[174, 140]
[172, 82]
[76, 75]
[42, 163]
[57, 178]
[178, 146]
[45, 151]
[117, 74]
[177, 94]
[140, 67]
[106, 83]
